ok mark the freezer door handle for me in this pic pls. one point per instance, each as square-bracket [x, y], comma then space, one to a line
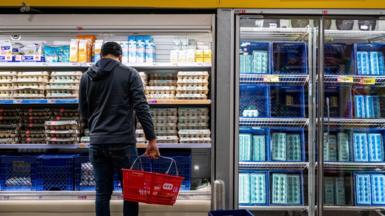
[218, 195]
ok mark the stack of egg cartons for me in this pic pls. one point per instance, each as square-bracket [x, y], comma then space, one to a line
[192, 85]
[370, 63]
[165, 124]
[161, 86]
[32, 125]
[62, 132]
[30, 85]
[286, 146]
[64, 84]
[334, 191]
[9, 122]
[6, 79]
[368, 147]
[252, 188]
[370, 188]
[59, 114]
[191, 122]
[286, 189]
[252, 147]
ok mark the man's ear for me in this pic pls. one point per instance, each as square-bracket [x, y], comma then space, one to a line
[120, 58]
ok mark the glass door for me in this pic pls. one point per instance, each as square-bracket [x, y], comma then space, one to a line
[354, 119]
[275, 135]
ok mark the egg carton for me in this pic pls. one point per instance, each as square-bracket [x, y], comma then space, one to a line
[28, 94]
[343, 146]
[10, 140]
[194, 133]
[33, 74]
[193, 125]
[195, 74]
[194, 119]
[167, 139]
[378, 189]
[65, 86]
[192, 90]
[258, 188]
[166, 132]
[85, 139]
[195, 140]
[163, 120]
[61, 95]
[35, 112]
[33, 140]
[160, 96]
[162, 83]
[73, 81]
[28, 79]
[6, 86]
[61, 125]
[375, 147]
[27, 86]
[35, 135]
[360, 147]
[157, 112]
[192, 80]
[5, 94]
[185, 111]
[72, 140]
[77, 74]
[8, 73]
[8, 126]
[363, 189]
[191, 96]
[162, 76]
[34, 120]
[7, 134]
[53, 133]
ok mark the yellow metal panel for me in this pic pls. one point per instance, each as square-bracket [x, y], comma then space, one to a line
[364, 4]
[340, 4]
[116, 3]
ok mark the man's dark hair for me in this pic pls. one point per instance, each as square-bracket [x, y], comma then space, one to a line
[111, 48]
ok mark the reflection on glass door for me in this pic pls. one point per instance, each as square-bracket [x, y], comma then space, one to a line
[275, 70]
[354, 117]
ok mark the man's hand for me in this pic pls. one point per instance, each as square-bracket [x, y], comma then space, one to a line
[152, 149]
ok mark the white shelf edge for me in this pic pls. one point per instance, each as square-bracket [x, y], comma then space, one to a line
[275, 208]
[85, 146]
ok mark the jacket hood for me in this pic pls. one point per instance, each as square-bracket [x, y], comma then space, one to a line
[102, 69]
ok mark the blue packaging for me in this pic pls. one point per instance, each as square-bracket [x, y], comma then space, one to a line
[149, 49]
[340, 191]
[293, 189]
[381, 63]
[259, 148]
[244, 188]
[279, 146]
[359, 105]
[279, 188]
[376, 149]
[376, 106]
[258, 188]
[343, 146]
[245, 141]
[374, 64]
[363, 189]
[245, 63]
[132, 49]
[369, 107]
[329, 191]
[140, 50]
[293, 147]
[360, 148]
[378, 189]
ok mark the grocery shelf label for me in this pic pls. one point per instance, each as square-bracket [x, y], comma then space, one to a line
[368, 81]
[153, 101]
[345, 79]
[83, 145]
[271, 78]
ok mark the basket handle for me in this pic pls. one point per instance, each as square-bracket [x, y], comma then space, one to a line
[172, 162]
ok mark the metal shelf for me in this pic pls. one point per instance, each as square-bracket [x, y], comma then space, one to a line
[86, 146]
[355, 123]
[353, 208]
[76, 101]
[274, 165]
[275, 208]
[354, 80]
[274, 122]
[276, 34]
[86, 195]
[354, 34]
[46, 65]
[297, 79]
[354, 165]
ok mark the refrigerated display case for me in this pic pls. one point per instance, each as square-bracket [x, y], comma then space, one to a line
[308, 135]
[274, 80]
[43, 149]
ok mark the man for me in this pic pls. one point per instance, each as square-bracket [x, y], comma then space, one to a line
[109, 95]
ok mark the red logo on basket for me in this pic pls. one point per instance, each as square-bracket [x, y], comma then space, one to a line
[167, 186]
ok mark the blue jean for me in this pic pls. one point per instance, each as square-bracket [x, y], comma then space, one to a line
[106, 160]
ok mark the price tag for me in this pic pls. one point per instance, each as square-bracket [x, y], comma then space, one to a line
[83, 145]
[345, 79]
[368, 81]
[271, 78]
[152, 101]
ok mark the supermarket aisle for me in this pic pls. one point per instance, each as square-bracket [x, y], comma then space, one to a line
[85, 208]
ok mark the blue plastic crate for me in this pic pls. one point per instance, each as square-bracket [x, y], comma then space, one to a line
[253, 188]
[339, 96]
[18, 173]
[255, 57]
[259, 150]
[369, 188]
[84, 174]
[369, 58]
[370, 150]
[242, 212]
[56, 172]
[286, 188]
[294, 152]
[338, 58]
[254, 101]
[287, 101]
[290, 58]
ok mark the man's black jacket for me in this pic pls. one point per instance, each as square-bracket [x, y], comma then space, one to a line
[110, 95]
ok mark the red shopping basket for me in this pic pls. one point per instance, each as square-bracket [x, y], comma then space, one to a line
[151, 187]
